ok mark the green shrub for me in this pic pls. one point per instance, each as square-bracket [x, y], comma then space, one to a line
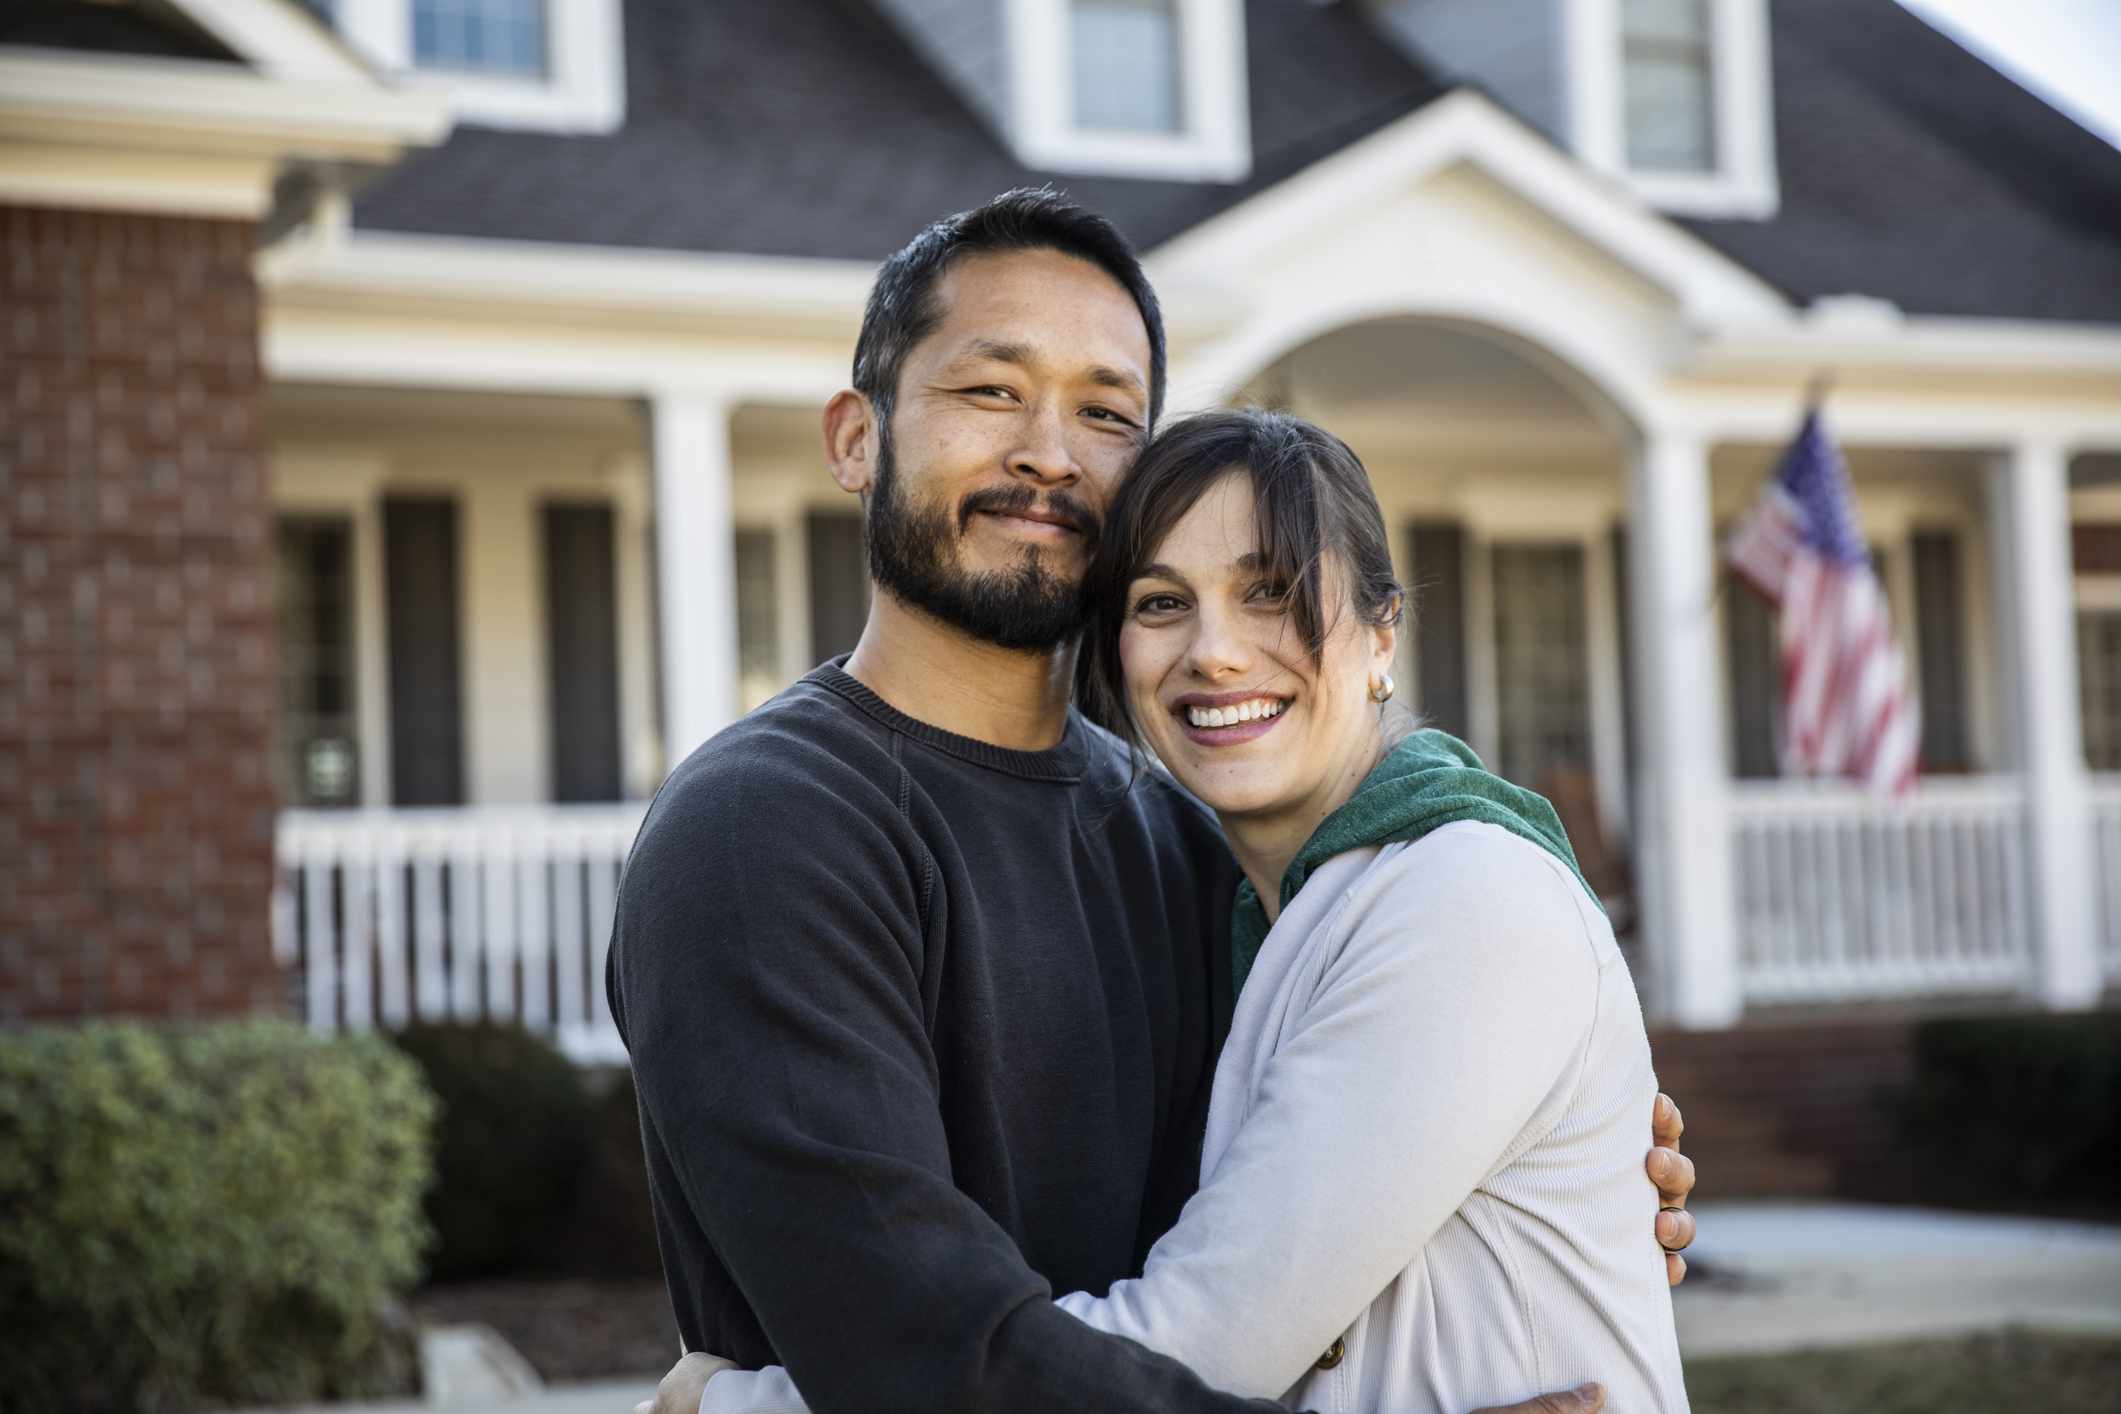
[514, 1131]
[2020, 1112]
[220, 1213]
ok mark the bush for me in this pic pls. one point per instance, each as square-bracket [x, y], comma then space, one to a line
[611, 1234]
[2019, 1112]
[514, 1131]
[220, 1213]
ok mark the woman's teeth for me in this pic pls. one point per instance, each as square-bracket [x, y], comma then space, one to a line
[1255, 710]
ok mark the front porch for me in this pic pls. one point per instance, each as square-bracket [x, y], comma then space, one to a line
[515, 627]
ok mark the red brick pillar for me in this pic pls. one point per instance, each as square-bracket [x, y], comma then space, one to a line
[137, 643]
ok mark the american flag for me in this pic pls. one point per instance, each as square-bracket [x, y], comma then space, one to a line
[1846, 706]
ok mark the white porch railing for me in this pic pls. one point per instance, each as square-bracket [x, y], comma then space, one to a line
[2106, 860]
[393, 916]
[1843, 896]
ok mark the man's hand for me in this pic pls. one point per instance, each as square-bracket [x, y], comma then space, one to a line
[1673, 1173]
[679, 1391]
[1584, 1399]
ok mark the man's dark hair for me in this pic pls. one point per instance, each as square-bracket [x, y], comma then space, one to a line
[902, 306]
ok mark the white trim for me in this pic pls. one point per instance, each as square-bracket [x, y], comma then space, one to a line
[1744, 184]
[1832, 335]
[584, 90]
[184, 137]
[1466, 126]
[192, 105]
[278, 37]
[506, 276]
[1216, 143]
[105, 179]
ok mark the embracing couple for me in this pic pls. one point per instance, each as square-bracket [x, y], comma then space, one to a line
[1262, 1050]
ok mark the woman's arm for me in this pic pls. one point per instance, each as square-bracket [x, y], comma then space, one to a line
[1461, 1003]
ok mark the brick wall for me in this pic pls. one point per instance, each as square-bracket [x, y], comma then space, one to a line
[1799, 1109]
[137, 643]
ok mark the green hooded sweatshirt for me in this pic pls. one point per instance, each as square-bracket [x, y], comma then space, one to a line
[1430, 779]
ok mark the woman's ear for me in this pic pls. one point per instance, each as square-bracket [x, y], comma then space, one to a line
[1384, 638]
[852, 434]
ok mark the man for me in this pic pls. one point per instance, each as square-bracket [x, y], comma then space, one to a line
[923, 987]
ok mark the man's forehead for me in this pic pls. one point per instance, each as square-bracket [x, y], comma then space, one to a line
[1041, 303]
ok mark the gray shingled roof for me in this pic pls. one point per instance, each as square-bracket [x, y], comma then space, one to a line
[105, 29]
[1914, 172]
[810, 128]
[1910, 170]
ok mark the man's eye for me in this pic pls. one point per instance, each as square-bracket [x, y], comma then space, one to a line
[1108, 415]
[990, 390]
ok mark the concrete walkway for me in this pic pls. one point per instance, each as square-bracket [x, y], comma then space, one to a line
[1767, 1277]
[1774, 1276]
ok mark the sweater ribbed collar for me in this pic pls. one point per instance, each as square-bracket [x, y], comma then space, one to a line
[1063, 765]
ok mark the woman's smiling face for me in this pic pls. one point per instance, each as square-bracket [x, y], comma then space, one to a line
[1220, 680]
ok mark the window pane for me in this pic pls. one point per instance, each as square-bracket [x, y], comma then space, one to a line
[480, 36]
[1684, 20]
[1670, 103]
[1126, 65]
[2099, 686]
[1542, 660]
[317, 763]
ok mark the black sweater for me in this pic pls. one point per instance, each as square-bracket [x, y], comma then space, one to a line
[923, 1031]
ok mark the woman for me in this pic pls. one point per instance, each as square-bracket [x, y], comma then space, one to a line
[1421, 1184]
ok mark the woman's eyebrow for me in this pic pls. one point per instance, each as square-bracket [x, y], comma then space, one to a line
[1160, 571]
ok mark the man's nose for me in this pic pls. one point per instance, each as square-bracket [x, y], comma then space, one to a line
[1043, 454]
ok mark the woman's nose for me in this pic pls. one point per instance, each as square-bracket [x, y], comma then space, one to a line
[1217, 649]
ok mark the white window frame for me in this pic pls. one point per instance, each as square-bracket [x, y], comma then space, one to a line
[1744, 182]
[1214, 142]
[583, 90]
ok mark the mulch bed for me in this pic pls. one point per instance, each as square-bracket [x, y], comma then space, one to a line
[567, 1330]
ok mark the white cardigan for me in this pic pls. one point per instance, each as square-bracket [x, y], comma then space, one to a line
[1424, 1143]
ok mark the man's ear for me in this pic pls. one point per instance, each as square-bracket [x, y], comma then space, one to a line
[852, 436]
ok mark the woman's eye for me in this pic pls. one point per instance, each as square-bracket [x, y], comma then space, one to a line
[1265, 593]
[1159, 604]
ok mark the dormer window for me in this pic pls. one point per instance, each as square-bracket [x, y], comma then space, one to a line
[1673, 97]
[1132, 88]
[550, 64]
[1668, 79]
[1126, 61]
[480, 36]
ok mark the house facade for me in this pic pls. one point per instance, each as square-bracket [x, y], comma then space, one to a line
[539, 370]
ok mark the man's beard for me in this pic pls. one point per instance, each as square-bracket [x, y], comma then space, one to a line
[912, 556]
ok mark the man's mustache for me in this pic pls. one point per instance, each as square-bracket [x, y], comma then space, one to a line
[1015, 500]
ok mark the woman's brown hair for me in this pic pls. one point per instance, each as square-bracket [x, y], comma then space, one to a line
[1312, 501]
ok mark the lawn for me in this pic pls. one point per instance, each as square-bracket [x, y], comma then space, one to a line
[2004, 1373]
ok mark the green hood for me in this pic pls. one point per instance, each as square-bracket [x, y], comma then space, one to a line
[1430, 779]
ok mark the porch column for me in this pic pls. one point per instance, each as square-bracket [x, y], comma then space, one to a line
[1684, 858]
[2034, 496]
[695, 543]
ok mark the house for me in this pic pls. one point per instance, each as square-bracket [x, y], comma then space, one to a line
[547, 295]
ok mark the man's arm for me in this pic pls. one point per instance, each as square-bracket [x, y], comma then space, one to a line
[772, 984]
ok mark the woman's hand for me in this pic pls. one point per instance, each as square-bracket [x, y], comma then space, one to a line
[1673, 1173]
[679, 1391]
